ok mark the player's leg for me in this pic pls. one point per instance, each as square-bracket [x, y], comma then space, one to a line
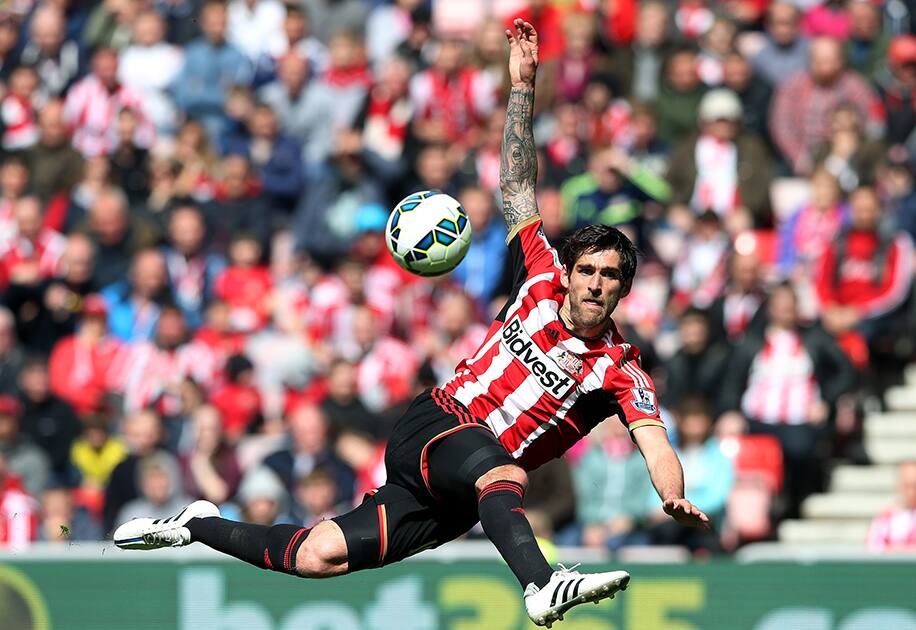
[319, 552]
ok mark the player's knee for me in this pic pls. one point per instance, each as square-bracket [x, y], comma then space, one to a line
[508, 472]
[324, 553]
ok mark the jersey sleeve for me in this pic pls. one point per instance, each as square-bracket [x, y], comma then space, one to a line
[634, 392]
[530, 255]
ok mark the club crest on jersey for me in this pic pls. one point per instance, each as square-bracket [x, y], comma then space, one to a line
[569, 362]
[550, 376]
[644, 401]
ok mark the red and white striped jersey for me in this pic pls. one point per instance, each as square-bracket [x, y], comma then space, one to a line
[535, 384]
[781, 386]
[893, 530]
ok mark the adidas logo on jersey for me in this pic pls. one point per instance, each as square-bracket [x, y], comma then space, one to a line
[550, 376]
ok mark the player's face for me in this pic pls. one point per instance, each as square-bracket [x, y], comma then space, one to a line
[594, 285]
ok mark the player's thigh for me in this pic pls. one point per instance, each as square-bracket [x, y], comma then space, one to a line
[392, 524]
[457, 461]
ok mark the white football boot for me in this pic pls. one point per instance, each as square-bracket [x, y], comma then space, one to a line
[147, 533]
[568, 588]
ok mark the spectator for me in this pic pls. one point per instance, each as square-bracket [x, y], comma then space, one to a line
[333, 16]
[738, 76]
[180, 19]
[209, 466]
[14, 183]
[679, 96]
[342, 406]
[738, 310]
[450, 97]
[385, 365]
[551, 505]
[299, 38]
[612, 191]
[698, 367]
[566, 152]
[160, 490]
[192, 266]
[48, 421]
[62, 521]
[254, 25]
[638, 69]
[315, 497]
[309, 448]
[11, 358]
[866, 273]
[572, 67]
[238, 400]
[23, 458]
[895, 528]
[454, 335]
[262, 498]
[35, 254]
[708, 475]
[849, 156]
[9, 44]
[211, 67]
[109, 25]
[48, 311]
[18, 511]
[55, 166]
[611, 487]
[700, 274]
[784, 380]
[118, 236]
[416, 49]
[867, 44]
[724, 169]
[129, 157]
[897, 84]
[715, 45]
[387, 28]
[96, 453]
[56, 59]
[96, 177]
[482, 268]
[303, 106]
[17, 110]
[134, 303]
[896, 180]
[325, 221]
[93, 104]
[275, 157]
[806, 234]
[785, 52]
[237, 205]
[245, 285]
[153, 371]
[142, 432]
[800, 115]
[646, 148]
[81, 365]
[148, 66]
[347, 77]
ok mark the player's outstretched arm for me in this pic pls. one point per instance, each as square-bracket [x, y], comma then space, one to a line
[667, 476]
[519, 165]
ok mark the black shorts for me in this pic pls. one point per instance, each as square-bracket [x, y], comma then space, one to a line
[436, 452]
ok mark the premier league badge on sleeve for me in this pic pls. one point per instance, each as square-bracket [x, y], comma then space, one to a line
[644, 400]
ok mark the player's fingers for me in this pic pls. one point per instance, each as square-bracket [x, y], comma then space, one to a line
[530, 33]
[511, 37]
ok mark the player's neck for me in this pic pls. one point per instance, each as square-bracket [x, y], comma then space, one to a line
[586, 334]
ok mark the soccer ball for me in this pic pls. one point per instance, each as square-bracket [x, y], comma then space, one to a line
[428, 233]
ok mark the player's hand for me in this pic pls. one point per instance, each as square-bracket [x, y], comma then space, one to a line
[685, 513]
[523, 53]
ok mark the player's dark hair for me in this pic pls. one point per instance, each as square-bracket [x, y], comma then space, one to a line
[597, 238]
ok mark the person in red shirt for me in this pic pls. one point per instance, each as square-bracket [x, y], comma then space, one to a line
[35, 253]
[80, 365]
[238, 401]
[866, 274]
[246, 285]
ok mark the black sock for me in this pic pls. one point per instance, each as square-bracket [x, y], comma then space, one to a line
[504, 522]
[266, 547]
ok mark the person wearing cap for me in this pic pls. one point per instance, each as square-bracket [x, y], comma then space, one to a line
[25, 460]
[80, 366]
[897, 87]
[723, 168]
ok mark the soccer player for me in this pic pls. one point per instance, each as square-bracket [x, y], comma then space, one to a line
[552, 367]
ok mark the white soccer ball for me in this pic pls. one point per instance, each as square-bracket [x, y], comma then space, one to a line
[428, 233]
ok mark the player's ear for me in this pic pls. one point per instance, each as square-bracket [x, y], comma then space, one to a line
[564, 277]
[626, 288]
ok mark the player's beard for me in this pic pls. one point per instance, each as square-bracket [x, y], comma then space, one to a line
[585, 316]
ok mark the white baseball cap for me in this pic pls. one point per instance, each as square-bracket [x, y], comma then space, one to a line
[720, 104]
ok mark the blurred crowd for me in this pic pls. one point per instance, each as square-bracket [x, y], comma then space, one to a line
[197, 301]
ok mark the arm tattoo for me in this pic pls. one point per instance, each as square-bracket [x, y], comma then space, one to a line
[519, 164]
